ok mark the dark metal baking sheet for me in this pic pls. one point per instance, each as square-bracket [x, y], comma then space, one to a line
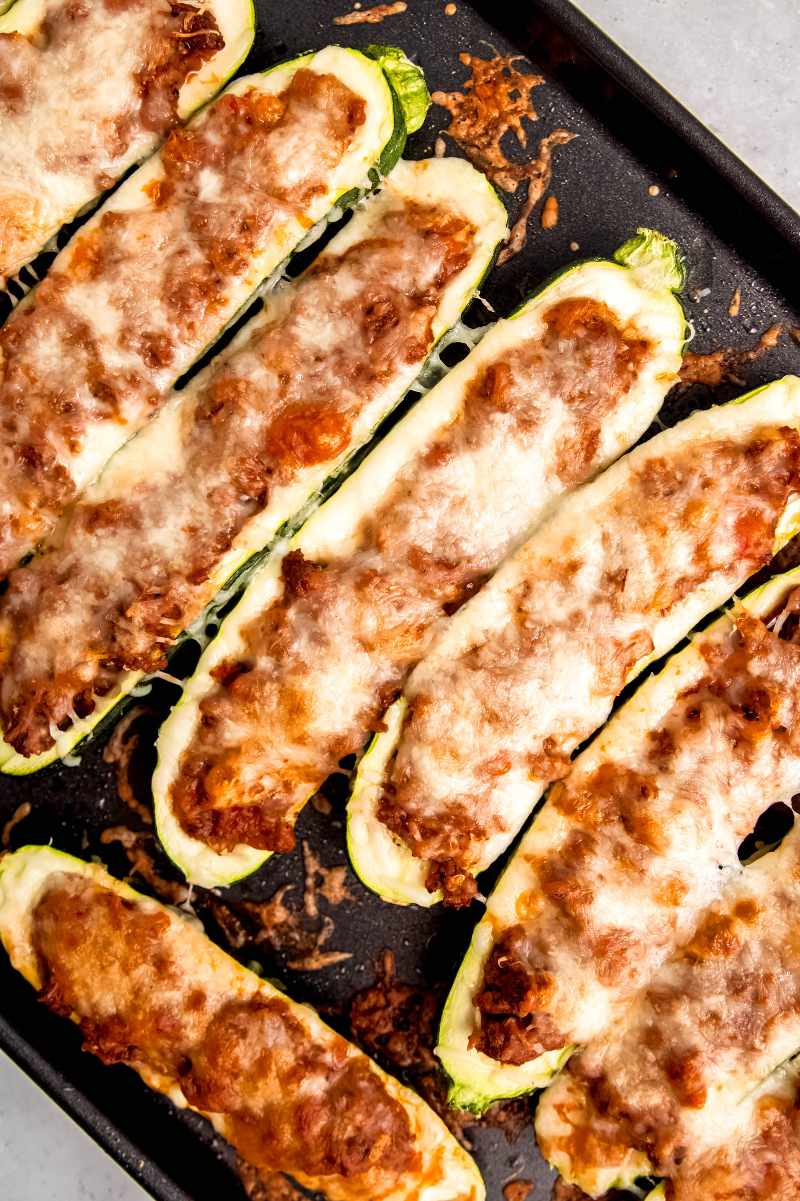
[735, 233]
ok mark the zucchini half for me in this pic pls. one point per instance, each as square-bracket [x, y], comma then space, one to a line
[69, 195]
[372, 152]
[384, 862]
[639, 284]
[477, 1079]
[450, 183]
[565, 1114]
[655, 311]
[445, 1172]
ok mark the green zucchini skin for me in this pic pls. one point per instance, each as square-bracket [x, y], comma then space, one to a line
[407, 82]
[12, 763]
[477, 1081]
[654, 262]
[445, 1168]
[196, 861]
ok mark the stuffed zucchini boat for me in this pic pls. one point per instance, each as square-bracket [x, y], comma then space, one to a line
[531, 666]
[648, 270]
[147, 988]
[160, 61]
[159, 271]
[628, 850]
[248, 447]
[716, 1019]
[303, 669]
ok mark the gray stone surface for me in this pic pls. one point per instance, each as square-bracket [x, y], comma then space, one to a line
[45, 1157]
[735, 64]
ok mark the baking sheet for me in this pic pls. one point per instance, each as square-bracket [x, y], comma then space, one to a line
[638, 158]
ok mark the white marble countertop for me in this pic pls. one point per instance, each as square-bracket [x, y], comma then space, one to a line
[734, 64]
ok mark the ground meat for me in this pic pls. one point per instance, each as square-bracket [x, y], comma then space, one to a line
[337, 647]
[458, 887]
[396, 1022]
[131, 571]
[512, 1000]
[489, 725]
[148, 49]
[135, 297]
[178, 54]
[627, 854]
[144, 996]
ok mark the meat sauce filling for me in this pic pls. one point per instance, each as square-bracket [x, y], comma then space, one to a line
[132, 570]
[647, 836]
[288, 1101]
[323, 663]
[134, 300]
[482, 724]
[150, 47]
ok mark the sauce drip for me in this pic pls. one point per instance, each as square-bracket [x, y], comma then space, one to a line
[726, 365]
[371, 16]
[492, 110]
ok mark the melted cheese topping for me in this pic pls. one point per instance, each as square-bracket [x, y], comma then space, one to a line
[532, 665]
[322, 663]
[148, 989]
[713, 1022]
[640, 838]
[91, 88]
[757, 1155]
[153, 278]
[143, 553]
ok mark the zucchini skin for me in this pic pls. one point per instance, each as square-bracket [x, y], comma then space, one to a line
[407, 82]
[221, 870]
[382, 863]
[12, 763]
[444, 1166]
[476, 1079]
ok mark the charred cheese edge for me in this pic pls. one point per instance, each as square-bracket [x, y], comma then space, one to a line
[450, 183]
[446, 1172]
[236, 22]
[477, 1079]
[639, 285]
